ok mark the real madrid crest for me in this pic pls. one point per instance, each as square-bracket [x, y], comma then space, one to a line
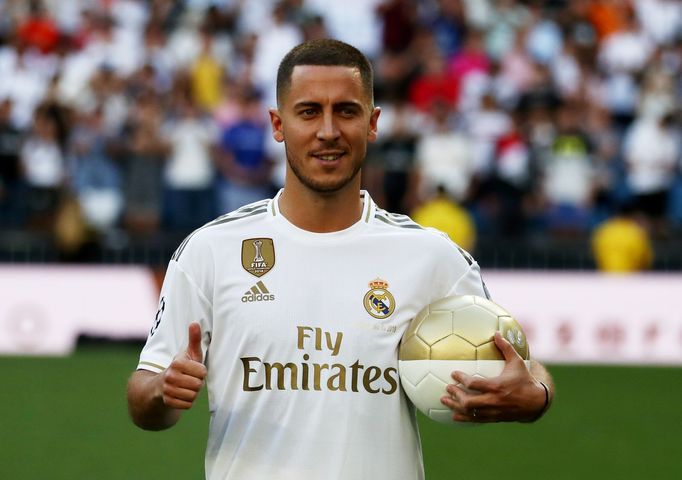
[378, 301]
[258, 255]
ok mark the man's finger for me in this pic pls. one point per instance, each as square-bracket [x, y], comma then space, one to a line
[470, 382]
[194, 344]
[506, 348]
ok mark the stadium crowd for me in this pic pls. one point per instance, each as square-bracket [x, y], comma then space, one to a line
[517, 117]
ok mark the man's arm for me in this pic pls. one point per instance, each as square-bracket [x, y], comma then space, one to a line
[145, 402]
[156, 400]
[517, 394]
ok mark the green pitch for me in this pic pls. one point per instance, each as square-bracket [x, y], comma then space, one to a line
[66, 419]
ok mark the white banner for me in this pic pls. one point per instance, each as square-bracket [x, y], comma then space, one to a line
[568, 317]
[43, 309]
[593, 317]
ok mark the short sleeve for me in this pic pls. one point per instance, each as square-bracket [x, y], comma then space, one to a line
[181, 302]
[471, 281]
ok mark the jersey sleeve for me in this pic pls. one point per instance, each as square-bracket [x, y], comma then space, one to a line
[181, 302]
[464, 273]
[470, 283]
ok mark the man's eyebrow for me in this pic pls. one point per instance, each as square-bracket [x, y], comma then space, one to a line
[307, 105]
[343, 104]
[347, 104]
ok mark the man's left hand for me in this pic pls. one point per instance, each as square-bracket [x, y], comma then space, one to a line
[514, 395]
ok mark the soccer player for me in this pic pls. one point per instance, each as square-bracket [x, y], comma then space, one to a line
[291, 309]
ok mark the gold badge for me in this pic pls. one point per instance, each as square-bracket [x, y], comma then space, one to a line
[258, 255]
[378, 301]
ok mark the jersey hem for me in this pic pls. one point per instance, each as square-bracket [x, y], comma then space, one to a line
[150, 366]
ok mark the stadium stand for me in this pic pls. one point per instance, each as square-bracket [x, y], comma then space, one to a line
[125, 124]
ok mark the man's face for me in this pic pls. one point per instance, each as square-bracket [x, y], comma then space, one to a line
[325, 120]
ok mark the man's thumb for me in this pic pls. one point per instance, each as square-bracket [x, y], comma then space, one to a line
[194, 345]
[506, 348]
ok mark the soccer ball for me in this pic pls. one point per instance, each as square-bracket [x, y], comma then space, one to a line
[454, 333]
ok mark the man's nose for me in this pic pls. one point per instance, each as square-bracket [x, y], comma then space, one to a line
[328, 129]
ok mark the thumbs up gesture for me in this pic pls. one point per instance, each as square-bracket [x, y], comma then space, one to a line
[184, 378]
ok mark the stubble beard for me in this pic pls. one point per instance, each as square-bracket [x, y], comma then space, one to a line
[325, 188]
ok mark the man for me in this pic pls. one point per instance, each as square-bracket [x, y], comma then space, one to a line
[265, 305]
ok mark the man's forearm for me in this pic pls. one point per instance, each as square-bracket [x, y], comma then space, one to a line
[145, 402]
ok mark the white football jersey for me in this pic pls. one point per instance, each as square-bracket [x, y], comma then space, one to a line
[300, 335]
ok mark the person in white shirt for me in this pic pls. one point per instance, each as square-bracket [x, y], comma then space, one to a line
[271, 307]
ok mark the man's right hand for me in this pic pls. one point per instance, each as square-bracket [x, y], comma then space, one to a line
[182, 381]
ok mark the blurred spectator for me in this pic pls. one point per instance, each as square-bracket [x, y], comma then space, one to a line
[470, 66]
[658, 87]
[444, 157]
[392, 157]
[143, 157]
[621, 244]
[43, 164]
[607, 16]
[242, 161]
[143, 154]
[660, 19]
[447, 23]
[436, 84]
[652, 151]
[568, 173]
[399, 24]
[517, 73]
[275, 38]
[38, 30]
[189, 171]
[485, 126]
[507, 18]
[206, 74]
[96, 178]
[442, 213]
[622, 56]
[544, 40]
[23, 84]
[503, 186]
[609, 186]
[352, 21]
[11, 185]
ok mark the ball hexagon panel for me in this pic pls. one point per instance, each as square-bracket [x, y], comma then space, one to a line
[474, 323]
[453, 347]
[438, 326]
[429, 391]
[489, 351]
[413, 371]
[413, 348]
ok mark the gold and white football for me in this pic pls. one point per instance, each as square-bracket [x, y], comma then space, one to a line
[454, 333]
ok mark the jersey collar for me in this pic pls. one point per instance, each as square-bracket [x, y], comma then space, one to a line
[368, 211]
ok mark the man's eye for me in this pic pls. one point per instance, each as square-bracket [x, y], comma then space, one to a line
[348, 112]
[308, 112]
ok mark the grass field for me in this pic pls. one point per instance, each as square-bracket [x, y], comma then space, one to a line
[65, 418]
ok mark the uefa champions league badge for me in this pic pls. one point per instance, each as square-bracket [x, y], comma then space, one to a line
[378, 301]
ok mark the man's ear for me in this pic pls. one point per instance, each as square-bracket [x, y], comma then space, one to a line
[276, 124]
[373, 123]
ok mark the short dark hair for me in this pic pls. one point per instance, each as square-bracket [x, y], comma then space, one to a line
[324, 52]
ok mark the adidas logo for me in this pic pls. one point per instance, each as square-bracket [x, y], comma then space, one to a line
[258, 293]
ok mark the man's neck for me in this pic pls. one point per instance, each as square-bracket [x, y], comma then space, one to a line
[321, 213]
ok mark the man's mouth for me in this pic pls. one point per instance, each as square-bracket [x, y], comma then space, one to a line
[328, 156]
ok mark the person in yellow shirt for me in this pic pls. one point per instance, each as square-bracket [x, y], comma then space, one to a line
[206, 78]
[621, 245]
[442, 213]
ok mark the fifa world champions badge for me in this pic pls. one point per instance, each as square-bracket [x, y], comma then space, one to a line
[258, 255]
[378, 301]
